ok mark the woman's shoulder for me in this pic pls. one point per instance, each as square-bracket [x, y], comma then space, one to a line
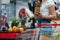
[50, 3]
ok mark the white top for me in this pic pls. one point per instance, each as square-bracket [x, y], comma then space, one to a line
[44, 7]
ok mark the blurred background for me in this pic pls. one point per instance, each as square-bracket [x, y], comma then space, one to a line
[9, 9]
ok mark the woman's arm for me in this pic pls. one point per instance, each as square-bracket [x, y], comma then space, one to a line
[52, 15]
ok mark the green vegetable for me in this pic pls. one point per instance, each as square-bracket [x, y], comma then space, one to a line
[15, 22]
[23, 21]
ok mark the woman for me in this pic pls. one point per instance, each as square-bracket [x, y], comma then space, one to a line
[46, 14]
[25, 14]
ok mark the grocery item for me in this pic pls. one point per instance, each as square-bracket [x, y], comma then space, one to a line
[21, 29]
[15, 30]
[10, 29]
[15, 22]
[23, 20]
[14, 27]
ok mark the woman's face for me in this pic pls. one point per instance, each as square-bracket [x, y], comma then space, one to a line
[38, 3]
[23, 13]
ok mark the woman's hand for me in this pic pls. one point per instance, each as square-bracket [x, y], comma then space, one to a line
[40, 15]
[36, 16]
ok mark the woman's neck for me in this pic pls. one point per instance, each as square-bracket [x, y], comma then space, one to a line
[43, 1]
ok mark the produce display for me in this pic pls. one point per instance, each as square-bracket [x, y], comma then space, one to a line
[14, 25]
[15, 29]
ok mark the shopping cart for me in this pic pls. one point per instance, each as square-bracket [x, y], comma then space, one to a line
[27, 35]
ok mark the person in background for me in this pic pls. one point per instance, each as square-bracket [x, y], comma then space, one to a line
[57, 3]
[4, 24]
[31, 4]
[26, 13]
[46, 14]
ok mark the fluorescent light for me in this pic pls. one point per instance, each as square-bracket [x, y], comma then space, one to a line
[5, 1]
